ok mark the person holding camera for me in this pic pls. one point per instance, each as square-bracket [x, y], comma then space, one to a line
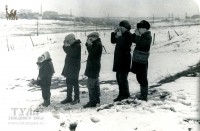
[93, 66]
[122, 37]
[142, 38]
[72, 48]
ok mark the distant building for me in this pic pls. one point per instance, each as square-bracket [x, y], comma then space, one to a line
[165, 20]
[195, 16]
[66, 17]
[177, 19]
[25, 11]
[2, 15]
[27, 14]
[50, 15]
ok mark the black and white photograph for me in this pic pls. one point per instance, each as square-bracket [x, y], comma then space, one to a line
[100, 65]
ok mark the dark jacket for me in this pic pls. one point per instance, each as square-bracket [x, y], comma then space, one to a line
[45, 73]
[143, 43]
[94, 59]
[72, 60]
[122, 55]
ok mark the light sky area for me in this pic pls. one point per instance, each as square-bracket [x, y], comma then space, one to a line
[113, 8]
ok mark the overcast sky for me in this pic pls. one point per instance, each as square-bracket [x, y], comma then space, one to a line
[101, 8]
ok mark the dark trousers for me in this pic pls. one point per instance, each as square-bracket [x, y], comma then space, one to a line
[72, 84]
[46, 94]
[143, 81]
[94, 90]
[122, 80]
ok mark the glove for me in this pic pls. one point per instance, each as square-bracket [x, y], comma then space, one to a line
[33, 82]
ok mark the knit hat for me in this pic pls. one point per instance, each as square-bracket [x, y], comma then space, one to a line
[143, 24]
[40, 59]
[46, 55]
[93, 34]
[70, 37]
[126, 24]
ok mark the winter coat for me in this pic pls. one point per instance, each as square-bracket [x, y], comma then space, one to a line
[72, 60]
[46, 72]
[143, 43]
[46, 57]
[94, 59]
[122, 55]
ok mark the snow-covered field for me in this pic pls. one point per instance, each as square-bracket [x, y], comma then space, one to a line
[24, 27]
[171, 107]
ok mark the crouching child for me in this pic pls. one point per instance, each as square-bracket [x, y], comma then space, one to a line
[46, 71]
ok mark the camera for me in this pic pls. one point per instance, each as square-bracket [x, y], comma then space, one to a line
[139, 25]
[118, 30]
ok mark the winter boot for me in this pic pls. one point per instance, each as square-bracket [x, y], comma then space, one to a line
[118, 98]
[69, 95]
[97, 93]
[46, 103]
[144, 93]
[65, 101]
[75, 101]
[92, 99]
[126, 90]
[94, 96]
[76, 95]
[89, 104]
[123, 94]
[120, 94]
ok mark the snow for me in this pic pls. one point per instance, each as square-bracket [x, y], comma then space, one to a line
[171, 107]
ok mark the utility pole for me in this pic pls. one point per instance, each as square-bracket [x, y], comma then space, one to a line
[186, 15]
[199, 15]
[74, 25]
[108, 18]
[96, 26]
[70, 12]
[41, 10]
[153, 18]
[37, 26]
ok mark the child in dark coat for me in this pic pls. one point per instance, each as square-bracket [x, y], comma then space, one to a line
[72, 48]
[46, 71]
[93, 67]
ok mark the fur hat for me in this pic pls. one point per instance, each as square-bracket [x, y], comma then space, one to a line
[93, 34]
[143, 24]
[126, 24]
[70, 37]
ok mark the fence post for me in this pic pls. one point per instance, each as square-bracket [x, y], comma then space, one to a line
[169, 35]
[50, 40]
[154, 38]
[32, 41]
[176, 33]
[7, 43]
[105, 49]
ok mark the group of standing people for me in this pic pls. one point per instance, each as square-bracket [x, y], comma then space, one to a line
[123, 63]
[71, 68]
